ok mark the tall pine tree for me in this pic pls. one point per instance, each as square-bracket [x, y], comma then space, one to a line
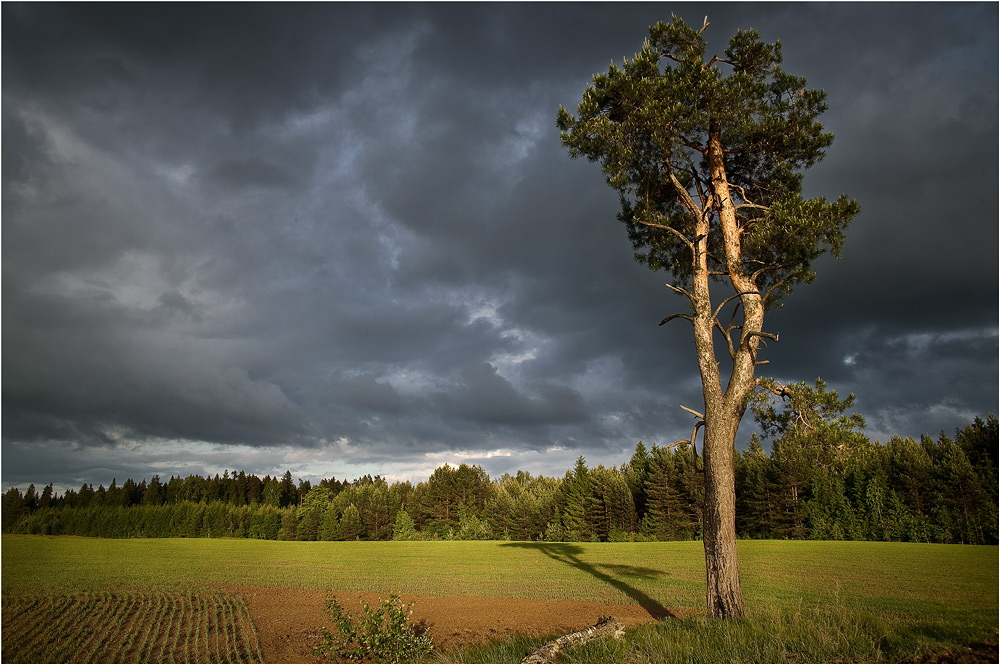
[707, 157]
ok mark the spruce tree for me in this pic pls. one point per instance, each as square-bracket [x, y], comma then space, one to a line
[667, 514]
[288, 494]
[329, 526]
[755, 507]
[30, 501]
[636, 473]
[577, 492]
[350, 523]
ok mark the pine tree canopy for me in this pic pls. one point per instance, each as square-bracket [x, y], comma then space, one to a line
[651, 124]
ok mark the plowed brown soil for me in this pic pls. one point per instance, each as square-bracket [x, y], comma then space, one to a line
[289, 620]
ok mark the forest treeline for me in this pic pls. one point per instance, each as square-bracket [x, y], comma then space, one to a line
[821, 480]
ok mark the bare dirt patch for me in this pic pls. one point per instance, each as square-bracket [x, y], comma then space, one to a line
[288, 620]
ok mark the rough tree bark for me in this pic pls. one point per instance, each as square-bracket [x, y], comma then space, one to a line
[724, 595]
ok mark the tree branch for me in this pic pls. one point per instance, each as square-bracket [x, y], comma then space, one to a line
[691, 144]
[726, 333]
[699, 186]
[769, 268]
[694, 434]
[676, 316]
[664, 227]
[755, 206]
[682, 191]
[692, 412]
[716, 59]
[746, 199]
[729, 299]
[677, 289]
[753, 351]
[773, 386]
[780, 282]
[771, 336]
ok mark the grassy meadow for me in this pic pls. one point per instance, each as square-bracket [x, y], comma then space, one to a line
[807, 600]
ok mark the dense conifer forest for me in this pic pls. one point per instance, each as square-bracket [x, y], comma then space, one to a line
[818, 481]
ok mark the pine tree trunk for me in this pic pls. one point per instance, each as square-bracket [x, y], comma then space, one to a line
[723, 409]
[724, 594]
[722, 420]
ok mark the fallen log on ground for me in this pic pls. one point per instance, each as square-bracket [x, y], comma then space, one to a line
[606, 627]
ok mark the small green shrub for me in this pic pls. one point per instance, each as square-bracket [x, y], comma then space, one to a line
[384, 633]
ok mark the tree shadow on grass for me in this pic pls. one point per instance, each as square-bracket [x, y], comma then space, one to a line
[609, 573]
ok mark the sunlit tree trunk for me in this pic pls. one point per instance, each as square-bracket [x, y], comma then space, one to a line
[723, 409]
[724, 594]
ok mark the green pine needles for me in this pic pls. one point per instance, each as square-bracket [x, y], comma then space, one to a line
[652, 123]
[384, 634]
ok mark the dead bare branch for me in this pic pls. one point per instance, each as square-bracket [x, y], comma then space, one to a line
[779, 283]
[716, 59]
[768, 268]
[771, 336]
[605, 627]
[694, 434]
[682, 192]
[692, 412]
[691, 441]
[746, 199]
[664, 227]
[677, 289]
[753, 351]
[676, 316]
[728, 337]
[722, 304]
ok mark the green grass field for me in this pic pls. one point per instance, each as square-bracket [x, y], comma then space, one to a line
[915, 596]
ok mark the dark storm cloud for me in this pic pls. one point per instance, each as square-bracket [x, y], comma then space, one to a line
[240, 174]
[483, 396]
[344, 238]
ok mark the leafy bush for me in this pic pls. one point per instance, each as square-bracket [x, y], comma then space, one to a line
[383, 635]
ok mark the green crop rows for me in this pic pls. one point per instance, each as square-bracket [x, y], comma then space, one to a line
[135, 626]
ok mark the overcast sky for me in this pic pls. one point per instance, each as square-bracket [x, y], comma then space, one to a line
[345, 239]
